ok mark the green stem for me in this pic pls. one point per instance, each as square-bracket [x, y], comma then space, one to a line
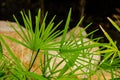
[33, 60]
[44, 63]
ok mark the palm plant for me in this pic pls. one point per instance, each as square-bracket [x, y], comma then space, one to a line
[69, 57]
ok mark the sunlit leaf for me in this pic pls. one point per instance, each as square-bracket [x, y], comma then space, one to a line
[109, 38]
[114, 24]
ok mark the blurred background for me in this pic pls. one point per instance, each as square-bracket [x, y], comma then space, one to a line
[95, 11]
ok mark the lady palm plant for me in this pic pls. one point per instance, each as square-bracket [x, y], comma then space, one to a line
[67, 58]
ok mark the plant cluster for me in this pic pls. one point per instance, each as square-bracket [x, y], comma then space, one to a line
[73, 51]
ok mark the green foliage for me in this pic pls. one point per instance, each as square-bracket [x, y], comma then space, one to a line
[72, 50]
[111, 52]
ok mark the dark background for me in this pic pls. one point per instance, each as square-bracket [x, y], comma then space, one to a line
[95, 11]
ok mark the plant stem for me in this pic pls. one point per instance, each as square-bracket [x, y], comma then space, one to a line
[44, 62]
[33, 60]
